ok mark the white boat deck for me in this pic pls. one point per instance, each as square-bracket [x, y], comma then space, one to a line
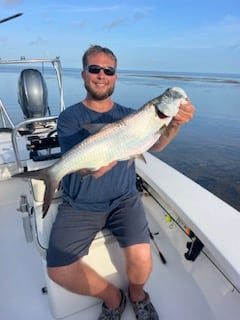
[179, 289]
[7, 156]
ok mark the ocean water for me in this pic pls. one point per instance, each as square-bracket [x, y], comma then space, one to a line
[207, 149]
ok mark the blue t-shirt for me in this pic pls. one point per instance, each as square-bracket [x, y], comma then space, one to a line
[88, 193]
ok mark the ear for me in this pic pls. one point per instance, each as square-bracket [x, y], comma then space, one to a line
[83, 74]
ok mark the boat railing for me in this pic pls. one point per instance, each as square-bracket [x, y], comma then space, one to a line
[5, 117]
[56, 65]
[38, 125]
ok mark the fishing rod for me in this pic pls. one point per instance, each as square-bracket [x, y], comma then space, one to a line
[11, 17]
[164, 261]
[141, 188]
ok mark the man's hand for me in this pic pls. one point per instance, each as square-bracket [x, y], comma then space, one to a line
[185, 114]
[100, 172]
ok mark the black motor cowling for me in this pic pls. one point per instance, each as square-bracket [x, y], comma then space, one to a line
[32, 93]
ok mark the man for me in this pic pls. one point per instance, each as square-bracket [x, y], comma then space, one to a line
[107, 199]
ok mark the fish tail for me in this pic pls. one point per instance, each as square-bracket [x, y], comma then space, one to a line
[50, 185]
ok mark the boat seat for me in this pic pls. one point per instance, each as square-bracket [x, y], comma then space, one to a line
[105, 255]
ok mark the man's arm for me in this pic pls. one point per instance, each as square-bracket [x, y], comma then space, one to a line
[185, 114]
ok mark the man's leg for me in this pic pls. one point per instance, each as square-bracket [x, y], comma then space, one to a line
[79, 278]
[72, 233]
[139, 267]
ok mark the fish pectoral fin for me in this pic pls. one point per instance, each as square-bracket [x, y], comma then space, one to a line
[85, 173]
[164, 130]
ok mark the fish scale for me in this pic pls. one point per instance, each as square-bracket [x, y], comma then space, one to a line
[121, 140]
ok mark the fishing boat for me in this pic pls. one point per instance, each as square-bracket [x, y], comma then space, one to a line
[194, 234]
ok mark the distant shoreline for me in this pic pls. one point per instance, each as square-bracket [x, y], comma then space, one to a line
[214, 78]
[186, 78]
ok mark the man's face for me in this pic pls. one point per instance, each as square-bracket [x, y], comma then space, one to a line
[99, 85]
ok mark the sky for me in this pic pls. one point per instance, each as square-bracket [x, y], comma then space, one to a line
[180, 35]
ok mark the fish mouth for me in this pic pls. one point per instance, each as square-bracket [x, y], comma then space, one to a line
[160, 114]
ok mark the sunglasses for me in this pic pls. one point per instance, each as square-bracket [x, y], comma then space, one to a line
[95, 69]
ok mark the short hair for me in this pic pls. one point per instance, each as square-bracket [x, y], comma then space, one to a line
[94, 49]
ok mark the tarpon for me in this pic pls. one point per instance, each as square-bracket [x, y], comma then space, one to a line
[125, 139]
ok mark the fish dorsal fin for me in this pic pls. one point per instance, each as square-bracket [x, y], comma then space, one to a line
[93, 128]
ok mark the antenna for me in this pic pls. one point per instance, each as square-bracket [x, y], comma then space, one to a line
[11, 17]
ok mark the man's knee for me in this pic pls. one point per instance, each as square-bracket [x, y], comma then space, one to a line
[139, 255]
[63, 273]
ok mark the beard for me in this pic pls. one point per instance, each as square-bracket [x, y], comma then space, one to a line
[96, 95]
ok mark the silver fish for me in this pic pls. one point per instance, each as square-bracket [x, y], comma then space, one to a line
[125, 139]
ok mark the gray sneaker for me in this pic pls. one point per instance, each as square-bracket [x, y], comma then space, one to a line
[144, 310]
[113, 314]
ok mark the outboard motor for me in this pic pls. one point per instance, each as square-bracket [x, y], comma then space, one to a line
[32, 93]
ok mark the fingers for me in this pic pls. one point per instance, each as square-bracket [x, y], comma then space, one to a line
[185, 114]
[188, 107]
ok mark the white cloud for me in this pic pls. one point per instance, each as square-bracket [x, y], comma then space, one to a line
[83, 9]
[10, 2]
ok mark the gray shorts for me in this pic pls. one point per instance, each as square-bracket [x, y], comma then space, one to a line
[74, 230]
